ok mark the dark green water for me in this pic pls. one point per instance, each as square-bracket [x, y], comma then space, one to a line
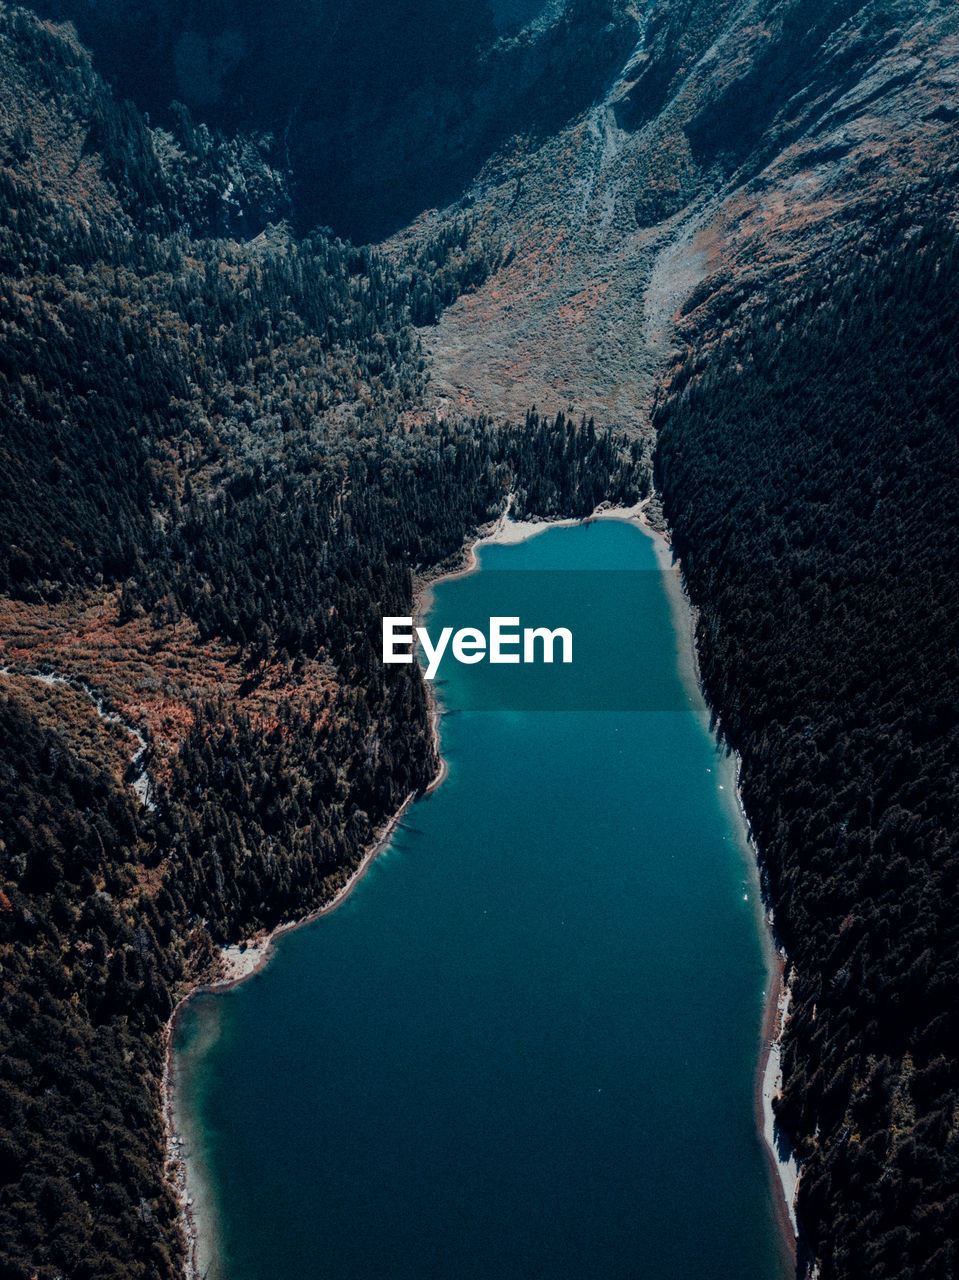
[526, 1045]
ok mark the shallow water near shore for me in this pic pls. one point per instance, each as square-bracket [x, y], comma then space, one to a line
[526, 1045]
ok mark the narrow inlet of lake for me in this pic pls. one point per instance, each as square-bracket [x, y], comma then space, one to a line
[526, 1045]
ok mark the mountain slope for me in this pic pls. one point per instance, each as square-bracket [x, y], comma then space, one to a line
[705, 173]
[225, 447]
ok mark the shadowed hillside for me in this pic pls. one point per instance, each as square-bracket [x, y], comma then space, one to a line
[379, 110]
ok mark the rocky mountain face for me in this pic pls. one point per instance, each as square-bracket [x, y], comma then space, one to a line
[738, 144]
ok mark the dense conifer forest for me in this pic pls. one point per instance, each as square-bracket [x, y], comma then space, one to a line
[226, 436]
[809, 465]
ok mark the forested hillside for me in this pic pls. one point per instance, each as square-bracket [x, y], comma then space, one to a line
[218, 470]
[230, 441]
[809, 464]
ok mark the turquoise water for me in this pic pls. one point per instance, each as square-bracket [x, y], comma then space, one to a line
[526, 1045]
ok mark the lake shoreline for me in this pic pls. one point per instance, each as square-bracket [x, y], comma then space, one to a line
[782, 1170]
[241, 961]
[501, 532]
[506, 532]
[783, 1167]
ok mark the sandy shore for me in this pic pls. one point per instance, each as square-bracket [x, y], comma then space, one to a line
[783, 1164]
